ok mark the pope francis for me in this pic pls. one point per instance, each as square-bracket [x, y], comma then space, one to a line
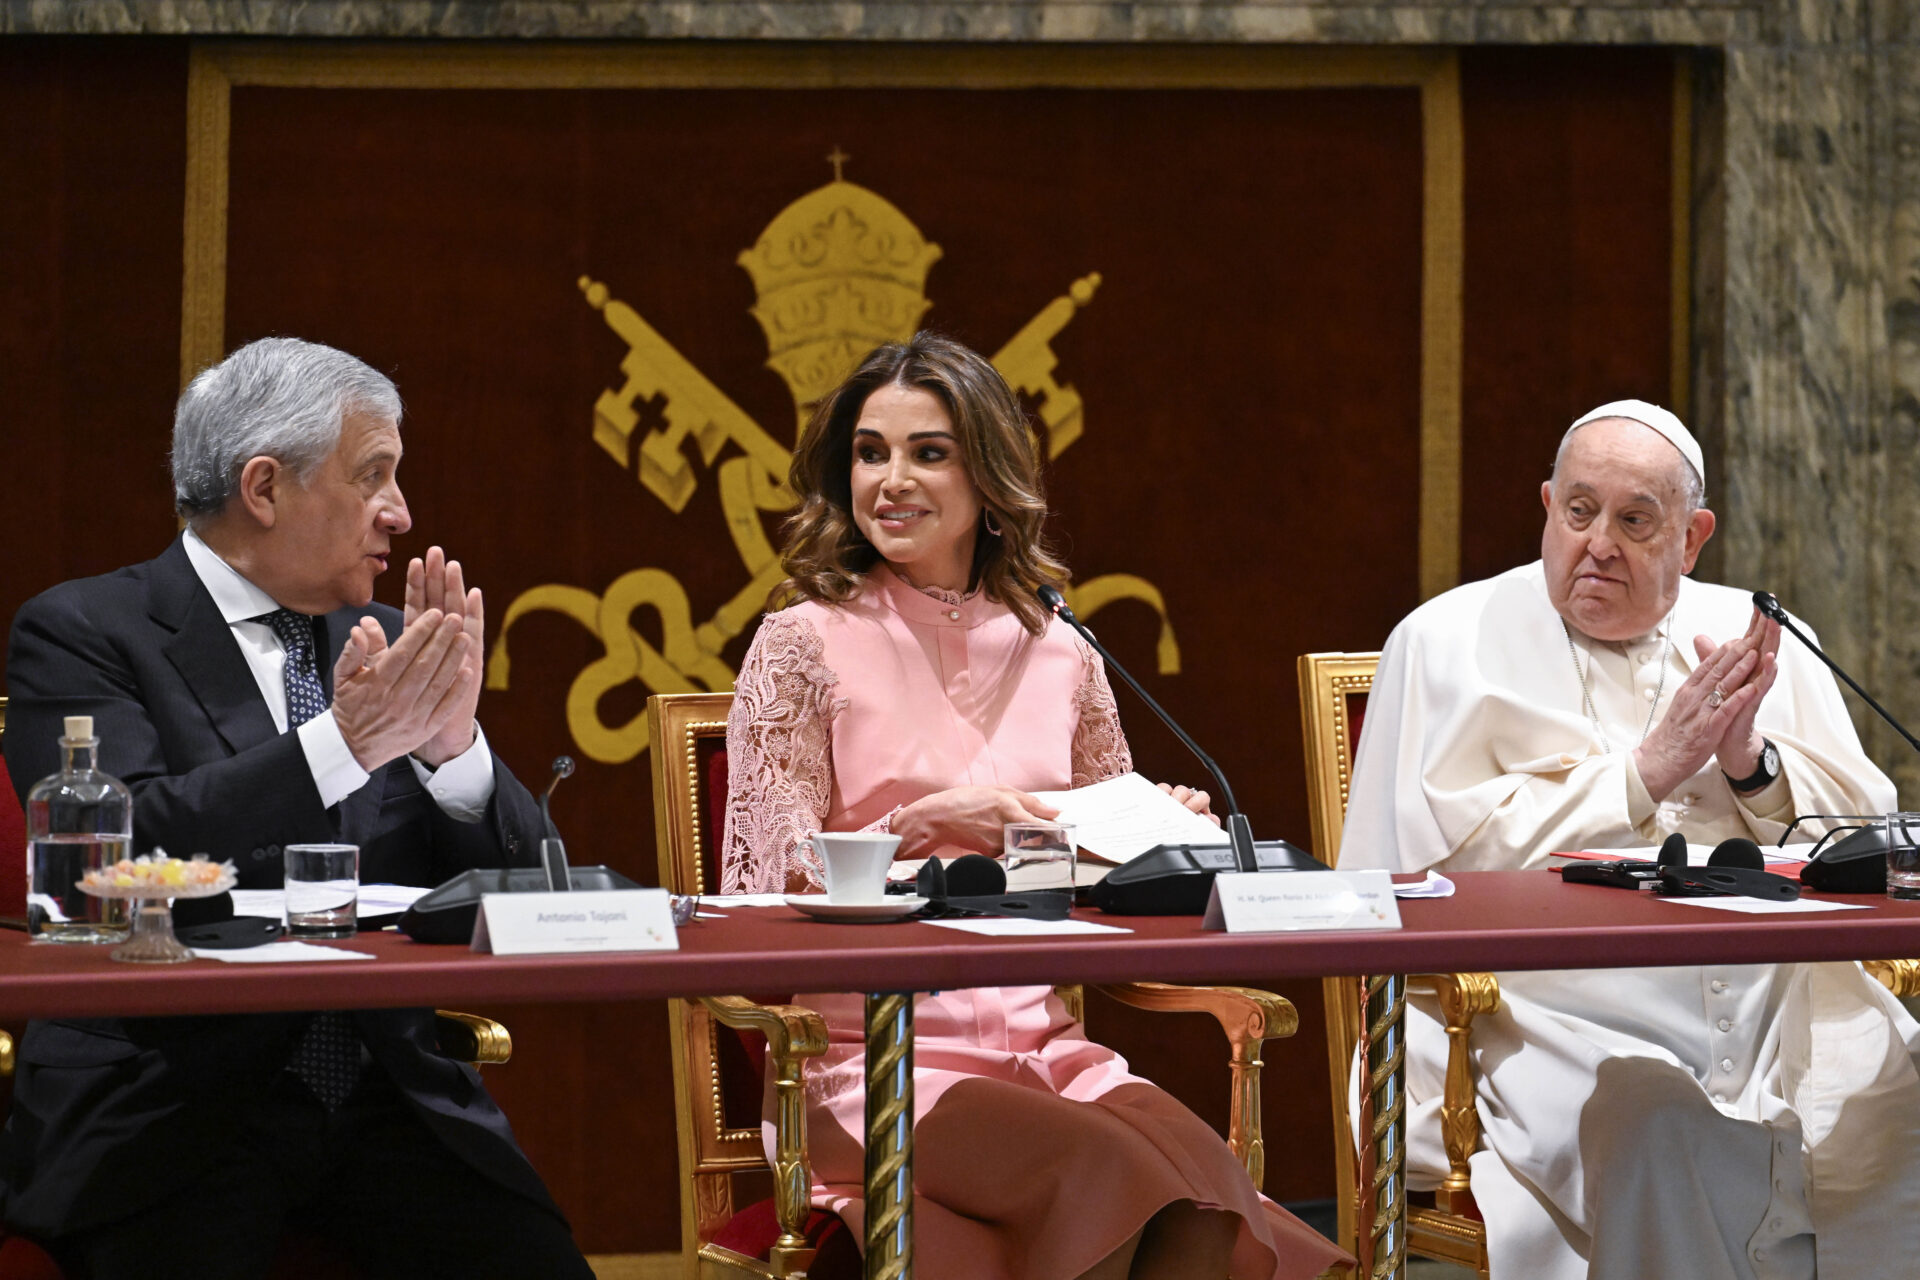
[1733, 1122]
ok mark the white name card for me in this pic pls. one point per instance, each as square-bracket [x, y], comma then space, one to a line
[518, 924]
[1297, 901]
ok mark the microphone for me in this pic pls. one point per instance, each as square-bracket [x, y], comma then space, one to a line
[446, 914]
[553, 850]
[1855, 863]
[1767, 604]
[1673, 851]
[1239, 830]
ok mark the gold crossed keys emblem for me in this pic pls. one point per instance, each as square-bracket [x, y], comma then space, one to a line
[838, 272]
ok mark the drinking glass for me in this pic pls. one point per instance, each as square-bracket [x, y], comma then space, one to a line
[1903, 855]
[1039, 855]
[323, 890]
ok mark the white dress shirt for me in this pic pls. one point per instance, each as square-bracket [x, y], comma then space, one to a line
[461, 787]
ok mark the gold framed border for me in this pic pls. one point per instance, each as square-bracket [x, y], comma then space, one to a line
[1680, 281]
[214, 67]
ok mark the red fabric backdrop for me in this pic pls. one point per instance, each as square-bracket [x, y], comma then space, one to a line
[1250, 368]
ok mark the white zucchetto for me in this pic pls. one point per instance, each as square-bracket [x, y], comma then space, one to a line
[1653, 416]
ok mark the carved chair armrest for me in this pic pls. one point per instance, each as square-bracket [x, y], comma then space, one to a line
[1902, 977]
[1463, 997]
[791, 1030]
[468, 1037]
[794, 1034]
[1249, 1017]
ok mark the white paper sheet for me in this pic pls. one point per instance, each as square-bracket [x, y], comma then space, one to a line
[1123, 817]
[1434, 886]
[282, 953]
[744, 900]
[375, 900]
[1012, 927]
[1763, 906]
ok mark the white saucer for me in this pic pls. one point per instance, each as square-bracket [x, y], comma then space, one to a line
[890, 908]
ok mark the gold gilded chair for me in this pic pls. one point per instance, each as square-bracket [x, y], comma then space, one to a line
[1333, 693]
[717, 1045]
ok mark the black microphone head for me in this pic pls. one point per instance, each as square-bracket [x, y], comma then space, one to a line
[975, 875]
[1673, 851]
[1769, 605]
[1738, 852]
[562, 767]
[1056, 603]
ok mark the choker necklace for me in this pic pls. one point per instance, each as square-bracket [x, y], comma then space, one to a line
[1586, 688]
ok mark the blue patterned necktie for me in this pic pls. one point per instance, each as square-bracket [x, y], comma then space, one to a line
[327, 1058]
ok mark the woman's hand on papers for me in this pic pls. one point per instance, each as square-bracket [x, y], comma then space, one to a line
[1198, 801]
[969, 817]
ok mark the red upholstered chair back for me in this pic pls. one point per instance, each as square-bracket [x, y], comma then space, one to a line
[13, 840]
[13, 849]
[717, 1071]
[710, 758]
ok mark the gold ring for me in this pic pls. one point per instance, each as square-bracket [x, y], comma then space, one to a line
[1717, 697]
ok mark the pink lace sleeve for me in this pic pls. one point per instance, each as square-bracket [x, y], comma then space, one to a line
[779, 760]
[1099, 747]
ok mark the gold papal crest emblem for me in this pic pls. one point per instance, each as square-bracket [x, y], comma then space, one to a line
[838, 272]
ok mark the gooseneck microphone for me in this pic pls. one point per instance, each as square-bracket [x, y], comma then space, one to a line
[1767, 604]
[562, 768]
[553, 850]
[1239, 830]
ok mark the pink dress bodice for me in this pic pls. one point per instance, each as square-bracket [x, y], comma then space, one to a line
[843, 714]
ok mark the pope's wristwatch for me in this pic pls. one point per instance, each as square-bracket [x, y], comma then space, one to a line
[1763, 773]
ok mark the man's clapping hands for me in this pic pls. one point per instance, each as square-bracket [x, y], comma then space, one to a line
[418, 694]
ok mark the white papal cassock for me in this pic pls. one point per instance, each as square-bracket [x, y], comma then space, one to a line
[1727, 1122]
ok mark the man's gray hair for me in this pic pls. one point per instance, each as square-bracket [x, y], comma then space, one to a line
[278, 397]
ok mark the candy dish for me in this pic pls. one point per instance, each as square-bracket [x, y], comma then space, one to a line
[152, 881]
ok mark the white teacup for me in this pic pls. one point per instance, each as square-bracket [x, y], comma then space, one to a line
[856, 864]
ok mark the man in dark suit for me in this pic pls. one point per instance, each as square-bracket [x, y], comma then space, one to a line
[184, 1146]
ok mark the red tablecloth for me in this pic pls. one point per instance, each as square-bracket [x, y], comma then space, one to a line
[1497, 920]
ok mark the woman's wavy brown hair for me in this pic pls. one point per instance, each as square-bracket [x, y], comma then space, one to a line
[827, 558]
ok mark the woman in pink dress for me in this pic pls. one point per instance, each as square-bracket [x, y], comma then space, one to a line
[918, 687]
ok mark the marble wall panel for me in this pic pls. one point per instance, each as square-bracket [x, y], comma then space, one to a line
[1350, 21]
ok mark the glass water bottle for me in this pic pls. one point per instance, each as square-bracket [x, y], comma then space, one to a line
[78, 820]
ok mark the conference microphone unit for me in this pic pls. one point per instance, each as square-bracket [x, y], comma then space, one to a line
[446, 913]
[1177, 879]
[1855, 863]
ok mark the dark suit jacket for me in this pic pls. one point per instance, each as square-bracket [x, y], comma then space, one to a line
[180, 719]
